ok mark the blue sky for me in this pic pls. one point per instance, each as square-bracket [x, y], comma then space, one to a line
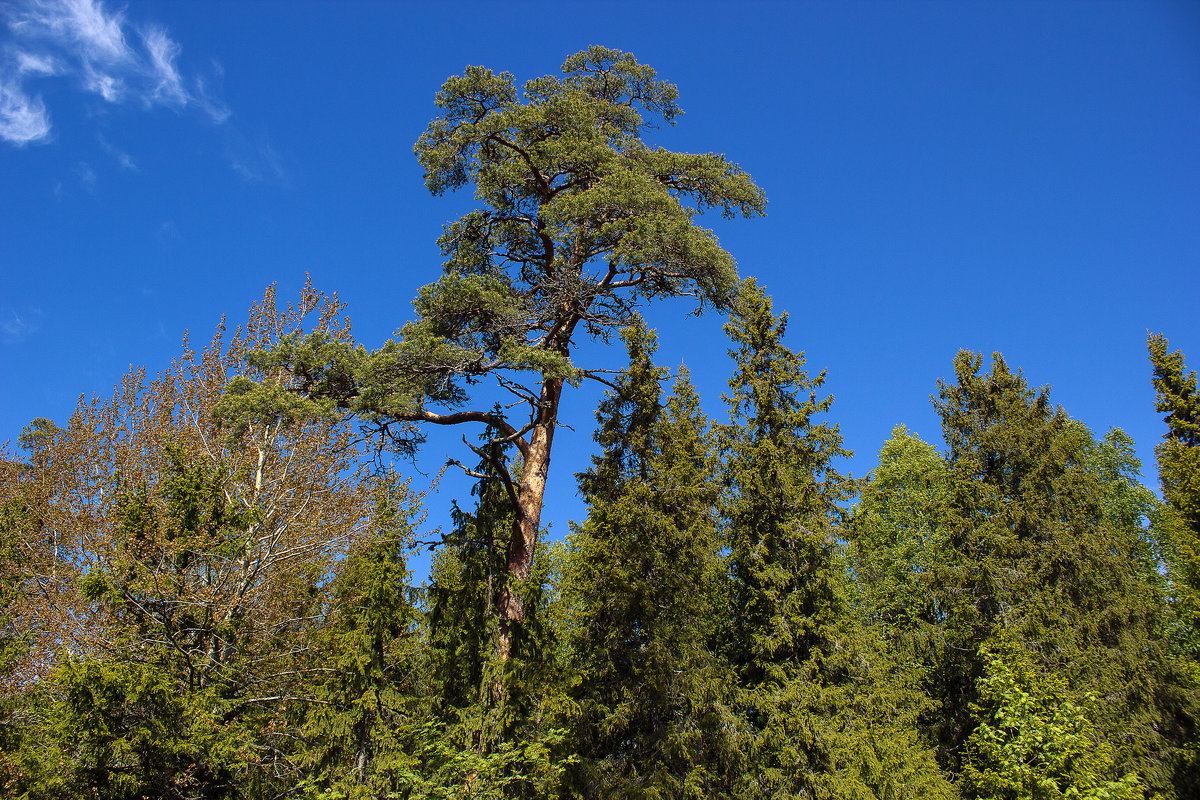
[1021, 177]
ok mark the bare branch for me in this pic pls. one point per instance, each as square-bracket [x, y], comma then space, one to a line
[459, 417]
[589, 374]
[493, 457]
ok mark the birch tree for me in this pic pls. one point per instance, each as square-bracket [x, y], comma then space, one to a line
[147, 520]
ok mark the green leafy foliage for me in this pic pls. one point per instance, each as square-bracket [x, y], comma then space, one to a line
[122, 730]
[1032, 741]
[898, 537]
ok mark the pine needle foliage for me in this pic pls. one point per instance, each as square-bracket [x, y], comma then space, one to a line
[578, 223]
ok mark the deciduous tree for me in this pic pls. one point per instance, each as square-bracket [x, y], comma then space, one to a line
[897, 535]
[153, 540]
[1033, 742]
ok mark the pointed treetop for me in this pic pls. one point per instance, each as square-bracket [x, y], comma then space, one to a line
[1176, 389]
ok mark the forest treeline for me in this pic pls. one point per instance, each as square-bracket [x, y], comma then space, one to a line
[203, 580]
[190, 614]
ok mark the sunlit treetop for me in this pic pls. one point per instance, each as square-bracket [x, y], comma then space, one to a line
[579, 220]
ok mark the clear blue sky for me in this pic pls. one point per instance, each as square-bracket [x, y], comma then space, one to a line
[1012, 176]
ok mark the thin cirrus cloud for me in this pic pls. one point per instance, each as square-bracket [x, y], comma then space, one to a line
[16, 327]
[101, 51]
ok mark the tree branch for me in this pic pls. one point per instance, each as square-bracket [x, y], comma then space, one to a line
[537, 173]
[491, 455]
[606, 382]
[459, 417]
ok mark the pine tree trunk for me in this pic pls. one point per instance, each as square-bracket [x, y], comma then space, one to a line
[528, 515]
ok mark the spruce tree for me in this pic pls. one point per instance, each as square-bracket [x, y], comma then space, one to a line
[785, 496]
[1179, 471]
[502, 713]
[466, 579]
[643, 578]
[1035, 544]
[367, 721]
[803, 661]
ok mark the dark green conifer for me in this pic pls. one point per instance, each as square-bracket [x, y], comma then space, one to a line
[578, 221]
[503, 712]
[643, 578]
[368, 724]
[1179, 471]
[804, 661]
[466, 579]
[785, 496]
[1036, 543]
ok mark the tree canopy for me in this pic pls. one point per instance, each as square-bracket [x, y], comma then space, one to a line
[580, 220]
[204, 587]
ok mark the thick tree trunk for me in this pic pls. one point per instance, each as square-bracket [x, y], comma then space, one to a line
[527, 518]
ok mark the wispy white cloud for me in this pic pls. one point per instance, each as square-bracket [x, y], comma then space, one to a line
[102, 51]
[96, 34]
[23, 119]
[37, 64]
[16, 327]
[168, 86]
[120, 156]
